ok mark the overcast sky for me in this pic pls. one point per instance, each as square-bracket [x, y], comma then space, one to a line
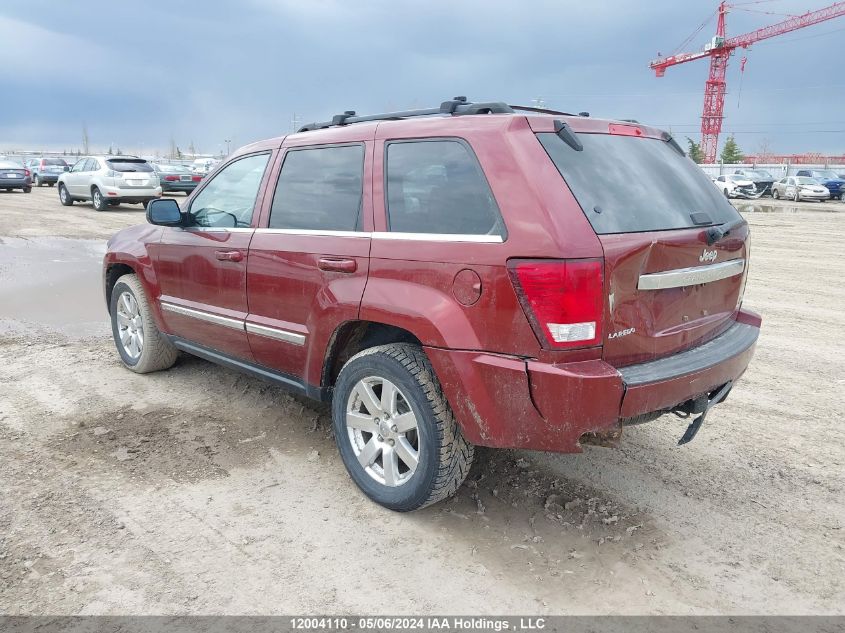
[140, 72]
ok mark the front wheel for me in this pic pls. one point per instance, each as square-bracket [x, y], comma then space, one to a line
[775, 194]
[796, 197]
[396, 433]
[64, 196]
[142, 347]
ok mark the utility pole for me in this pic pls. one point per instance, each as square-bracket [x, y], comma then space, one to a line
[227, 141]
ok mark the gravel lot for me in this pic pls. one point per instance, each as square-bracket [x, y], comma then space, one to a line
[201, 491]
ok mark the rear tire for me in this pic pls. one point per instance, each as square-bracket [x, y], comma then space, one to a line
[408, 424]
[64, 196]
[97, 200]
[27, 189]
[142, 347]
[50, 184]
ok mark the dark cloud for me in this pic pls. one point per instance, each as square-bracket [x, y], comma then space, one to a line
[141, 72]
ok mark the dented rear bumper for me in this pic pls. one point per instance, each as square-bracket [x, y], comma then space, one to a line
[510, 402]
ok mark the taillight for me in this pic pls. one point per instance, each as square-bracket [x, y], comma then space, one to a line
[196, 178]
[171, 178]
[27, 173]
[563, 299]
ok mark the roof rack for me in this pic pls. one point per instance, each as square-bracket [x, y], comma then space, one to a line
[456, 106]
[540, 110]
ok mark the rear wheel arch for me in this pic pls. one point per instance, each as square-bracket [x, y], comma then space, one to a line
[352, 337]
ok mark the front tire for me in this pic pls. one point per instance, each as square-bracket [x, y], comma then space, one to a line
[64, 196]
[142, 347]
[396, 433]
[796, 197]
[775, 194]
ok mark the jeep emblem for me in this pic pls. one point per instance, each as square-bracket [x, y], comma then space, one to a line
[707, 256]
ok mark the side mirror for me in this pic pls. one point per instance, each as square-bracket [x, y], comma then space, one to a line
[164, 212]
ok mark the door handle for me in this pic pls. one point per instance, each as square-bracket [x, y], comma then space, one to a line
[229, 256]
[337, 265]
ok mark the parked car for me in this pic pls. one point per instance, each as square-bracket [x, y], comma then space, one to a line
[202, 166]
[176, 178]
[762, 179]
[800, 188]
[13, 175]
[733, 186]
[482, 277]
[827, 178]
[47, 170]
[109, 181]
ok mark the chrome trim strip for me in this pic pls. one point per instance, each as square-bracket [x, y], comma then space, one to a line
[216, 319]
[276, 333]
[438, 237]
[682, 277]
[217, 229]
[314, 232]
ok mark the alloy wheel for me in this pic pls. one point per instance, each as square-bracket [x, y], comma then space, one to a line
[130, 325]
[383, 431]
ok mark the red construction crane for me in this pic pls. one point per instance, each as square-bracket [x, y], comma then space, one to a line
[719, 50]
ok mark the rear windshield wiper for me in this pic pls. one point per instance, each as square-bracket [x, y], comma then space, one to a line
[715, 233]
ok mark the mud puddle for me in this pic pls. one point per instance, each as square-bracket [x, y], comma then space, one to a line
[819, 207]
[53, 284]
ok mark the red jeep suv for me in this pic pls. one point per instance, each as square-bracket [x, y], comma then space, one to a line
[471, 274]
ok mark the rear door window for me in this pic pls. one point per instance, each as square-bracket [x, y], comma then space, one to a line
[628, 184]
[436, 187]
[320, 189]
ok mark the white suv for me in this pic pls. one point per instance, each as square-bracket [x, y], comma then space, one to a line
[108, 181]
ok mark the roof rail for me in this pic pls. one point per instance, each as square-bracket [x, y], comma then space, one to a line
[456, 106]
[540, 110]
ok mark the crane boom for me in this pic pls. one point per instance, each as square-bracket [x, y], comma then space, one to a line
[796, 22]
[719, 50]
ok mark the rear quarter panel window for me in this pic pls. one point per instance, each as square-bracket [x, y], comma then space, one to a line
[626, 184]
[438, 186]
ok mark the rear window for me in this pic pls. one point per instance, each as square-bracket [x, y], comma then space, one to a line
[627, 184]
[128, 165]
[54, 161]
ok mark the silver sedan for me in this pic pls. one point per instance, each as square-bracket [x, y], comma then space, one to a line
[800, 188]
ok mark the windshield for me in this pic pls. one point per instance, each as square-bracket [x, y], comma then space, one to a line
[128, 164]
[764, 174]
[826, 173]
[804, 180]
[626, 184]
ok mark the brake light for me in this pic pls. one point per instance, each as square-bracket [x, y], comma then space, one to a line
[171, 178]
[624, 130]
[196, 178]
[563, 299]
[27, 173]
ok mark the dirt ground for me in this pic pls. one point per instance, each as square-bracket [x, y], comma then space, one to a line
[201, 491]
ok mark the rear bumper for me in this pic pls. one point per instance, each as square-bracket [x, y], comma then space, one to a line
[49, 177]
[15, 183]
[176, 186]
[509, 402]
[126, 194]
